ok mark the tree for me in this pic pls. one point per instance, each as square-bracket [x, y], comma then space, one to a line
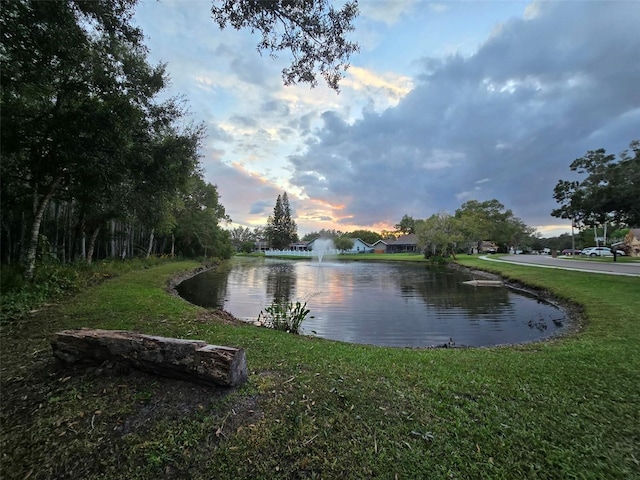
[343, 243]
[241, 235]
[366, 236]
[440, 235]
[247, 246]
[406, 226]
[480, 221]
[389, 235]
[313, 30]
[281, 230]
[198, 230]
[609, 192]
[324, 233]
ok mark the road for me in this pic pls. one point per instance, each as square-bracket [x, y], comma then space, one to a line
[608, 267]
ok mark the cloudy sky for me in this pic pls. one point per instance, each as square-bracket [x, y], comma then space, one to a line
[445, 102]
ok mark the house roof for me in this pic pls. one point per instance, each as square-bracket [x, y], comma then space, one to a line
[410, 239]
[359, 240]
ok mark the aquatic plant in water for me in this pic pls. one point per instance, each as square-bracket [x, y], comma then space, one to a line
[284, 316]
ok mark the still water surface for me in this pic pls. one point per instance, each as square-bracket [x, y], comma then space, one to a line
[391, 304]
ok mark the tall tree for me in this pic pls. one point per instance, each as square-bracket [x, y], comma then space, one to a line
[74, 82]
[198, 228]
[312, 30]
[281, 229]
[609, 192]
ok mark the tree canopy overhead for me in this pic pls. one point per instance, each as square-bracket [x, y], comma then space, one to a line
[312, 30]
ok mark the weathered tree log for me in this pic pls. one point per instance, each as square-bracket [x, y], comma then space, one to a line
[192, 360]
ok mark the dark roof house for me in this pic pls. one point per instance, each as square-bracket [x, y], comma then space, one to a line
[402, 244]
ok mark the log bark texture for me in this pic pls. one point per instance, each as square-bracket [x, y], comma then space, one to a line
[192, 360]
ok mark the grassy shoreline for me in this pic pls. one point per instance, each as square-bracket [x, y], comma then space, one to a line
[565, 408]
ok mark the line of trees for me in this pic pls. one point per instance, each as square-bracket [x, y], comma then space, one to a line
[92, 162]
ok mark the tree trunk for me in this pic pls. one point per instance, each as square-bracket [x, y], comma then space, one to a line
[126, 241]
[113, 239]
[54, 245]
[39, 209]
[21, 245]
[83, 243]
[173, 245]
[192, 360]
[92, 244]
[150, 243]
[131, 238]
[7, 250]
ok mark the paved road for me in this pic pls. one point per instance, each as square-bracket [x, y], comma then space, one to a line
[608, 267]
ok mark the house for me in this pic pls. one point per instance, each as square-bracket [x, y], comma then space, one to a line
[359, 246]
[402, 244]
[381, 246]
[319, 243]
[488, 247]
[261, 245]
[299, 246]
[632, 242]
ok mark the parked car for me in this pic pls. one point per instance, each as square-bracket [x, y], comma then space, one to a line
[570, 251]
[600, 252]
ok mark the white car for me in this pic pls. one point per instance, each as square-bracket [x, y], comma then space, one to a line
[600, 252]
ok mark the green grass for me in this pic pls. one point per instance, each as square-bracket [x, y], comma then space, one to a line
[312, 408]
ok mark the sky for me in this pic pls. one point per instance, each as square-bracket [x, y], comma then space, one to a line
[446, 102]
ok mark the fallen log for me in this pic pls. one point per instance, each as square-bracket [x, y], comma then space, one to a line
[192, 360]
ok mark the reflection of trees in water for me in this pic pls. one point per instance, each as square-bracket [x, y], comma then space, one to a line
[444, 289]
[280, 282]
[208, 289]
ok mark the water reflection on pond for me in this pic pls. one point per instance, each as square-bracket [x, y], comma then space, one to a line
[392, 304]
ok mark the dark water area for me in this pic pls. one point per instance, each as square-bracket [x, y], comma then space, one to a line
[379, 303]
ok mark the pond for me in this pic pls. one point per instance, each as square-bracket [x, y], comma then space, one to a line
[380, 303]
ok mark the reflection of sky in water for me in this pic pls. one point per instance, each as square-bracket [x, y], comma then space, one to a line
[392, 304]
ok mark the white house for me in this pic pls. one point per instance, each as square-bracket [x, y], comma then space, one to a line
[359, 246]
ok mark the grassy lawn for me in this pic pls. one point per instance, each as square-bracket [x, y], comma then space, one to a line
[313, 408]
